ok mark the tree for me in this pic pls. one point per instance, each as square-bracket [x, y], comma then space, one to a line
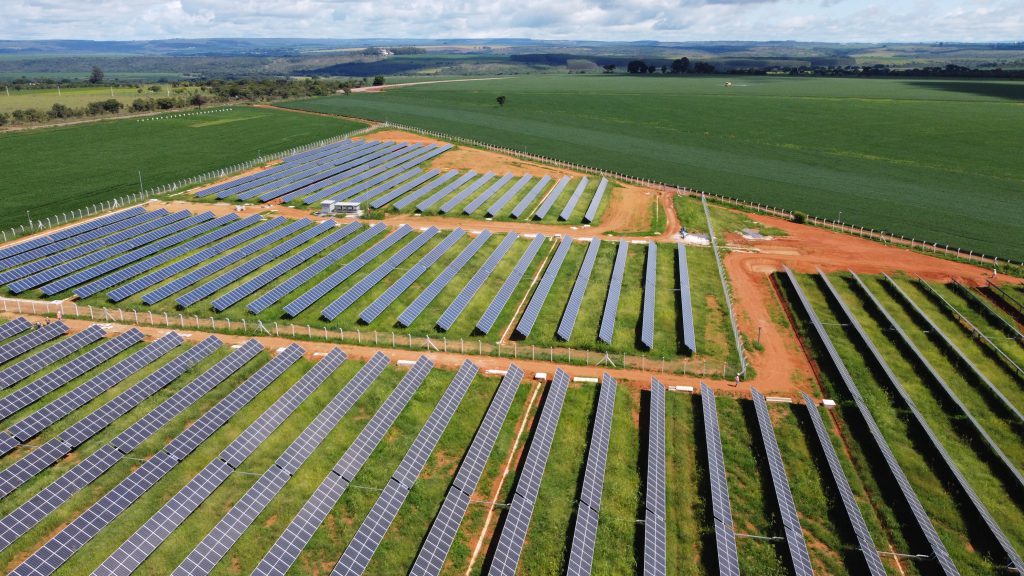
[636, 67]
[609, 68]
[680, 65]
[378, 80]
[60, 111]
[346, 89]
[198, 99]
[5, 118]
[704, 68]
[664, 69]
[501, 101]
[97, 75]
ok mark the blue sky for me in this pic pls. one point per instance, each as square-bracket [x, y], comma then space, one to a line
[669, 20]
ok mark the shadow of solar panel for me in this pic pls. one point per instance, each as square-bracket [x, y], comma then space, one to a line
[247, 232]
[650, 286]
[574, 199]
[505, 198]
[525, 201]
[595, 202]
[654, 563]
[552, 197]
[318, 291]
[490, 315]
[611, 303]
[275, 294]
[378, 306]
[353, 294]
[532, 312]
[572, 307]
[924, 523]
[205, 556]
[486, 195]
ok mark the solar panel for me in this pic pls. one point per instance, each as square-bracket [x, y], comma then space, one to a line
[303, 181]
[413, 311]
[525, 201]
[49, 356]
[182, 282]
[139, 284]
[438, 542]
[154, 531]
[532, 312]
[424, 190]
[860, 529]
[490, 315]
[70, 231]
[220, 227]
[60, 407]
[595, 203]
[584, 540]
[799, 559]
[38, 337]
[457, 199]
[650, 286]
[725, 535]
[572, 307]
[397, 191]
[275, 294]
[552, 197]
[65, 373]
[443, 192]
[962, 359]
[611, 302]
[295, 537]
[415, 195]
[364, 285]
[513, 535]
[252, 264]
[95, 241]
[508, 195]
[982, 511]
[368, 536]
[318, 291]
[205, 556]
[486, 195]
[400, 164]
[685, 302]
[923, 522]
[454, 310]
[13, 328]
[386, 184]
[922, 361]
[574, 199]
[378, 306]
[654, 494]
[34, 462]
[278, 270]
[161, 227]
[354, 172]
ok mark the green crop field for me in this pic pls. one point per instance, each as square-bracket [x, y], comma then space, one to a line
[930, 159]
[49, 171]
[44, 99]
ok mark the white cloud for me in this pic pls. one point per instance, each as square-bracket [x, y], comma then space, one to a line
[670, 20]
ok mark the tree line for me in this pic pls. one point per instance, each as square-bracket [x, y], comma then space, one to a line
[677, 66]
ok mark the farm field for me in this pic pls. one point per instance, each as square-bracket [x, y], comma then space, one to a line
[921, 158]
[44, 99]
[94, 158]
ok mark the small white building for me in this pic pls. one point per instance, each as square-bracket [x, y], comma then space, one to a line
[335, 208]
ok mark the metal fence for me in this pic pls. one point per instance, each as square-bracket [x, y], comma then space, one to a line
[699, 366]
[737, 337]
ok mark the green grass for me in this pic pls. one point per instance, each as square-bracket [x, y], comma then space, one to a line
[53, 170]
[928, 159]
[44, 99]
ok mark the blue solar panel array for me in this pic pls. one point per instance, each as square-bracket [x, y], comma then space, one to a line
[275, 294]
[399, 191]
[517, 522]
[357, 291]
[415, 194]
[431, 558]
[540, 295]
[378, 306]
[574, 199]
[252, 264]
[490, 315]
[584, 538]
[505, 198]
[69, 232]
[595, 202]
[248, 232]
[721, 508]
[552, 197]
[685, 301]
[654, 563]
[357, 171]
[444, 192]
[296, 306]
[354, 162]
[424, 190]
[398, 165]
[22, 344]
[286, 549]
[530, 196]
[924, 524]
[611, 303]
[572, 307]
[486, 195]
[650, 287]
[457, 199]
[413, 311]
[368, 537]
[13, 328]
[49, 356]
[278, 270]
